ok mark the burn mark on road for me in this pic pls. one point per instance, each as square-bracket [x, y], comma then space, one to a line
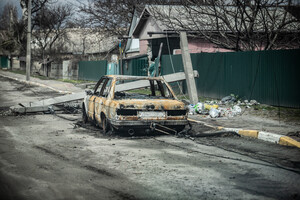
[88, 167]
[98, 171]
[57, 155]
[122, 195]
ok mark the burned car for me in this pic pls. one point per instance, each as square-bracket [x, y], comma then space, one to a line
[134, 103]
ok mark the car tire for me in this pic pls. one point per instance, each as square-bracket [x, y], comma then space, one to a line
[84, 116]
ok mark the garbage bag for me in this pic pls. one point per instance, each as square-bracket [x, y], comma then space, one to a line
[236, 109]
[228, 99]
[208, 107]
[214, 113]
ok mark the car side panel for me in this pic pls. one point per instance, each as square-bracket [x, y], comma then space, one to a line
[98, 108]
[91, 107]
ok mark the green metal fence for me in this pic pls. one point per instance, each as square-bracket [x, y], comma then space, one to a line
[136, 66]
[91, 70]
[3, 62]
[270, 77]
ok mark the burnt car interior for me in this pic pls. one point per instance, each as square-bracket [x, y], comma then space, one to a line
[156, 90]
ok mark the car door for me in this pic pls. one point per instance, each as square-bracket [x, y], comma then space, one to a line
[101, 99]
[91, 103]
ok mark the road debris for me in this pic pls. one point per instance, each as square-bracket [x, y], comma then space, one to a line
[214, 113]
[43, 105]
[229, 106]
[228, 99]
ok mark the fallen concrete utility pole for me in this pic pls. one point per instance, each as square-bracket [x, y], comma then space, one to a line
[43, 105]
[36, 109]
[55, 100]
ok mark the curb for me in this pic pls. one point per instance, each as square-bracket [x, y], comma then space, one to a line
[37, 84]
[261, 135]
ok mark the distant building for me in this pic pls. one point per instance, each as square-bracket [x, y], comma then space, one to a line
[76, 45]
[152, 31]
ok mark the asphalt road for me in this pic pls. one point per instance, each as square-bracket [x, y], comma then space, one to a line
[45, 156]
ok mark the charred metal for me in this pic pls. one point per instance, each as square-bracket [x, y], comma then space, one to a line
[176, 112]
[154, 102]
[126, 112]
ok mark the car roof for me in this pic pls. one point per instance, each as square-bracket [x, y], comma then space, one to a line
[125, 77]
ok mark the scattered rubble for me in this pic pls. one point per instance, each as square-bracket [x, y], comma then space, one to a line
[229, 106]
[228, 99]
[5, 111]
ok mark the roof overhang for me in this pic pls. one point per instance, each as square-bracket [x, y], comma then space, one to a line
[139, 27]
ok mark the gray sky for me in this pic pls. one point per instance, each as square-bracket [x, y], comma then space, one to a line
[13, 2]
[73, 2]
[17, 4]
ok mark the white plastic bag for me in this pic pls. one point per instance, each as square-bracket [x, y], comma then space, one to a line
[214, 113]
[236, 109]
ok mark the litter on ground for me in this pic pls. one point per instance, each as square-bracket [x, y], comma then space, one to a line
[229, 106]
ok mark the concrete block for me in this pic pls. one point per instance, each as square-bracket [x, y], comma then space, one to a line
[269, 137]
[232, 129]
[285, 140]
[249, 133]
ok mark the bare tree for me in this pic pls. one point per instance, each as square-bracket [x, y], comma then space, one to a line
[10, 30]
[114, 16]
[13, 31]
[36, 6]
[8, 16]
[50, 24]
[20, 28]
[110, 17]
[237, 25]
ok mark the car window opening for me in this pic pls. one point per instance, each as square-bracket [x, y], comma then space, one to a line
[156, 90]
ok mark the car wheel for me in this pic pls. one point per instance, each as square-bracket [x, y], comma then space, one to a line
[84, 116]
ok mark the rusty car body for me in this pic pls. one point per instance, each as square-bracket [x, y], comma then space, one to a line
[116, 103]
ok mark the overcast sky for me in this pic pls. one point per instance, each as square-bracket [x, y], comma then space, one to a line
[73, 2]
[13, 2]
[17, 4]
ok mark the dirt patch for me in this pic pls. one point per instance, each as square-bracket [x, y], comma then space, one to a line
[287, 115]
[25, 87]
[251, 122]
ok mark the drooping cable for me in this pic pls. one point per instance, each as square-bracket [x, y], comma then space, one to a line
[181, 92]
